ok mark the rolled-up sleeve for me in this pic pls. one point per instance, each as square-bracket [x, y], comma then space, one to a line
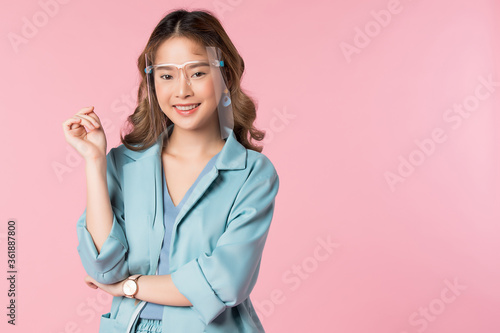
[226, 277]
[110, 264]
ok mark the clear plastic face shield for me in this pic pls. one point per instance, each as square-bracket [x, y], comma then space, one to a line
[164, 80]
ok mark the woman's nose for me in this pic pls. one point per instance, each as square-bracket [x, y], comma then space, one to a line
[183, 86]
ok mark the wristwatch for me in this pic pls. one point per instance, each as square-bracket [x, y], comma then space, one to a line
[130, 287]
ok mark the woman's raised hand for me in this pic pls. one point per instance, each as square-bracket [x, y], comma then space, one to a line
[85, 133]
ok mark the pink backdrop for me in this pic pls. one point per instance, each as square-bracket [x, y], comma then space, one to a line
[382, 120]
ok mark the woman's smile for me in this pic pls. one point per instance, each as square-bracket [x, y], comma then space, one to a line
[186, 109]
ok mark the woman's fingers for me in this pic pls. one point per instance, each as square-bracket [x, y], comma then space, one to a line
[86, 110]
[68, 124]
[91, 285]
[83, 118]
[89, 114]
[82, 122]
[89, 282]
[88, 120]
[86, 134]
[89, 111]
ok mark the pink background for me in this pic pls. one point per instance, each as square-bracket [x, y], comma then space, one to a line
[337, 123]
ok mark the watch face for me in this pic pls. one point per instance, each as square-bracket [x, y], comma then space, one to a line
[129, 287]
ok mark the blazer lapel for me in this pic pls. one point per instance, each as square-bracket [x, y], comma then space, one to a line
[143, 195]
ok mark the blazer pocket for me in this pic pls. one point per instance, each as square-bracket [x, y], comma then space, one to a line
[107, 324]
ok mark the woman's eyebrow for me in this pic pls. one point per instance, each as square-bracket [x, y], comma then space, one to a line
[198, 66]
[203, 63]
[169, 64]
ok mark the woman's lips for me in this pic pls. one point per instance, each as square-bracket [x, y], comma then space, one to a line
[186, 112]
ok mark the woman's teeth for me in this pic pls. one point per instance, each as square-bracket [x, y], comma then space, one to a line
[187, 108]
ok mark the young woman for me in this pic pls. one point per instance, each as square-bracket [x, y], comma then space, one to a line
[177, 215]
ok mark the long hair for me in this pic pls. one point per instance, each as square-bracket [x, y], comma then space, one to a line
[204, 28]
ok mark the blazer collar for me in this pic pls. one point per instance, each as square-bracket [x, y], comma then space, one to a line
[233, 155]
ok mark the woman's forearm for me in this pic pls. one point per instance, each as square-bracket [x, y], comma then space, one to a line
[160, 289]
[99, 216]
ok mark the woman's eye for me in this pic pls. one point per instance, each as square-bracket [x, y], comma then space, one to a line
[198, 74]
[165, 77]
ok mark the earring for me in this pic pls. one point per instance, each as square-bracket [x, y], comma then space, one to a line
[226, 100]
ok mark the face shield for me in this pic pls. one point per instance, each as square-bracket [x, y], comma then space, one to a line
[197, 74]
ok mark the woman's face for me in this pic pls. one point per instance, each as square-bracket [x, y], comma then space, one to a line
[172, 91]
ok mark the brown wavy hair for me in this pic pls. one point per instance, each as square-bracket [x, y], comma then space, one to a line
[204, 28]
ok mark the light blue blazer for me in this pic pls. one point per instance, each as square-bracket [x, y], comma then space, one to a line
[217, 239]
